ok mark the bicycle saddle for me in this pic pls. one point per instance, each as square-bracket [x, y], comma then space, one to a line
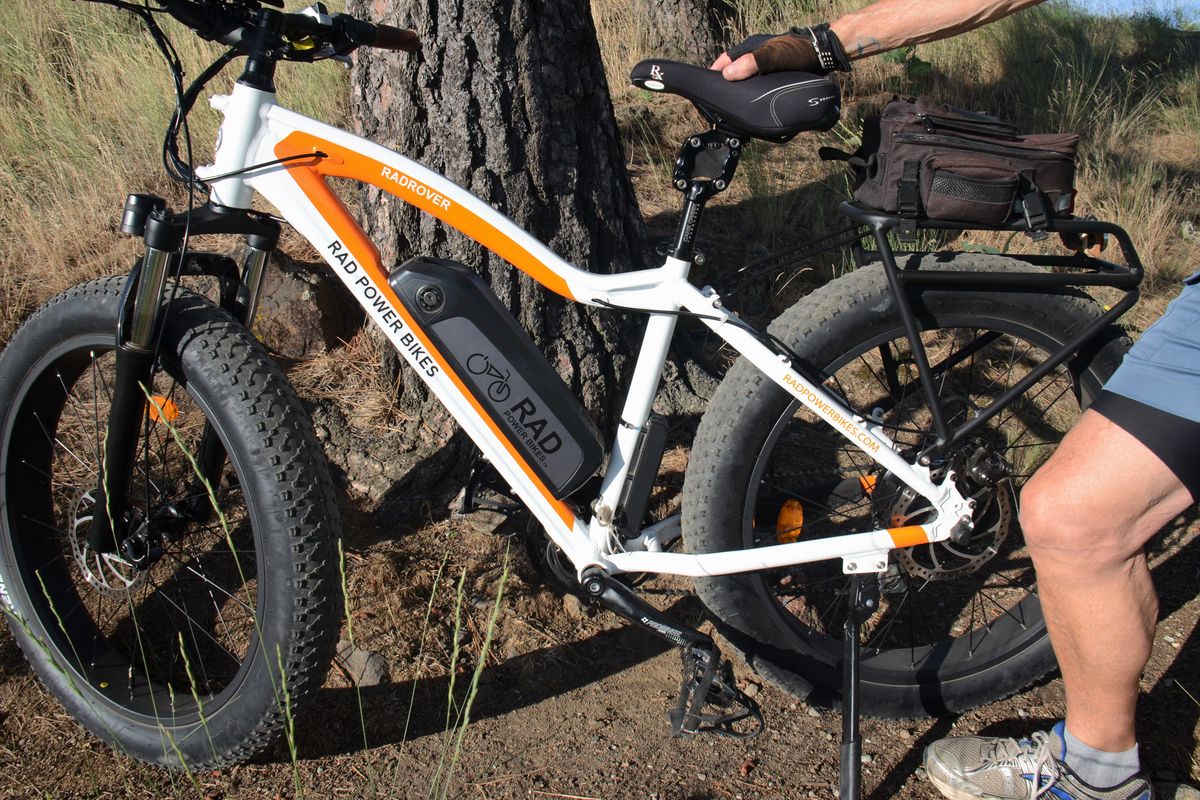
[773, 107]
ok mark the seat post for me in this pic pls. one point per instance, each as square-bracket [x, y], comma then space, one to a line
[705, 168]
[689, 222]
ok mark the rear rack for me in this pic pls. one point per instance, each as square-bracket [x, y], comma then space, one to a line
[1086, 270]
[906, 281]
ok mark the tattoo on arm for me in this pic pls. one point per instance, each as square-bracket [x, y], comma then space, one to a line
[865, 47]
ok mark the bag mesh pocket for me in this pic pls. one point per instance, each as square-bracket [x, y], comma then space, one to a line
[957, 197]
[971, 190]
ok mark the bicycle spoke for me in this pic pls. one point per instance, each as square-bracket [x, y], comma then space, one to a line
[970, 368]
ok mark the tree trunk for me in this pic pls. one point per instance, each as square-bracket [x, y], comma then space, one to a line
[687, 30]
[509, 100]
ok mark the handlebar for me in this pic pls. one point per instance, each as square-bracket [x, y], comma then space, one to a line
[232, 24]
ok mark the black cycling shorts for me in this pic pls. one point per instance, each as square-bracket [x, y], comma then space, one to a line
[1175, 440]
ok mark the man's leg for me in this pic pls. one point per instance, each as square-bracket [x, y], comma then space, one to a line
[1086, 516]
[1130, 464]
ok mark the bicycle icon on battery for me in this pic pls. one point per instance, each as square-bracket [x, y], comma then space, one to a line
[498, 390]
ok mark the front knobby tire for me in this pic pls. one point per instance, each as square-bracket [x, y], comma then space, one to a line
[957, 626]
[198, 659]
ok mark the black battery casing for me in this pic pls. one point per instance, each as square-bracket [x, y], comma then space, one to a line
[503, 370]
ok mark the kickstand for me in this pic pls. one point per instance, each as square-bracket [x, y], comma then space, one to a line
[863, 600]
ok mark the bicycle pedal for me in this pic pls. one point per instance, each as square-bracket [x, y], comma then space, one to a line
[708, 681]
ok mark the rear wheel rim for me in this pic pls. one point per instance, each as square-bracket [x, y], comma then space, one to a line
[983, 608]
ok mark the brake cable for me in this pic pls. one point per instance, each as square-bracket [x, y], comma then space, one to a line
[180, 170]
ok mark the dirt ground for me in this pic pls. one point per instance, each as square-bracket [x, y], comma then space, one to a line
[571, 702]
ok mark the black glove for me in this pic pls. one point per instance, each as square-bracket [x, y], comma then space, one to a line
[817, 50]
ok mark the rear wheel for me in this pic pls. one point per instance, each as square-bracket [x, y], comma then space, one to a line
[958, 625]
[187, 645]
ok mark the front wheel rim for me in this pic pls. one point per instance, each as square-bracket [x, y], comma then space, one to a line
[137, 677]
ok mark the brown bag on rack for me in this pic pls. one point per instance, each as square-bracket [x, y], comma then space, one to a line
[925, 159]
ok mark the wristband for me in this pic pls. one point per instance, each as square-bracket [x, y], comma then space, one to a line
[827, 45]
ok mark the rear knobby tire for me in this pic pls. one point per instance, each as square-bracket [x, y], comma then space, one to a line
[199, 660]
[957, 626]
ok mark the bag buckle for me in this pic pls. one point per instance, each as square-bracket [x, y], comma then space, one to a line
[1036, 218]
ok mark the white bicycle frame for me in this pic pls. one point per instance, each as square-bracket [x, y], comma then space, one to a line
[257, 130]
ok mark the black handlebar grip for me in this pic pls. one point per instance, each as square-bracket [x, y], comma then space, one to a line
[390, 38]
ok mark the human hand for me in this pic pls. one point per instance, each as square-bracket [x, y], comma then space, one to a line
[739, 63]
[794, 51]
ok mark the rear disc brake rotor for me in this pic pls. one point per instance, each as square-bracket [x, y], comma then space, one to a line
[994, 515]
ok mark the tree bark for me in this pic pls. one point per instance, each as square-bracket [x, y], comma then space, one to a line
[509, 100]
[687, 30]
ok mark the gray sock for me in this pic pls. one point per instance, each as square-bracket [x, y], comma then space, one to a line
[1100, 768]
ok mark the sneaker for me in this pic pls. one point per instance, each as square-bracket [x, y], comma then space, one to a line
[972, 767]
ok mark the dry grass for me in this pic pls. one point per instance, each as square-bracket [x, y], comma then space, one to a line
[86, 99]
[352, 378]
[1129, 86]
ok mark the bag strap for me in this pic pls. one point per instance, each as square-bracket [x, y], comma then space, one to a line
[909, 195]
[1034, 206]
[833, 154]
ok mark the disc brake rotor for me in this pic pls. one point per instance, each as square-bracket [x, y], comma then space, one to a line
[107, 573]
[994, 514]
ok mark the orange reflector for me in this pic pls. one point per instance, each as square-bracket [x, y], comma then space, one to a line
[789, 522]
[163, 409]
[908, 536]
[867, 482]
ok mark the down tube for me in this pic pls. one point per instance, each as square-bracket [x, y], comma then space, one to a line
[312, 208]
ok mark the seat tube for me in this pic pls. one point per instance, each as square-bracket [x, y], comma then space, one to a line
[643, 387]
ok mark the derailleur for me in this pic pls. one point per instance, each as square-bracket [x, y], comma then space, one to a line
[708, 680]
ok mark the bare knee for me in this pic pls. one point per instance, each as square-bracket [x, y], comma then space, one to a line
[1067, 517]
[1052, 516]
[1099, 498]
[1036, 513]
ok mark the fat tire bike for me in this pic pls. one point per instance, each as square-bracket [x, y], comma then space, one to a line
[168, 525]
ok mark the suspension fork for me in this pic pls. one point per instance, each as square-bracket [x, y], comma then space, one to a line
[135, 361]
[137, 345]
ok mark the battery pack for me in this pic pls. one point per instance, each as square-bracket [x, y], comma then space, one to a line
[502, 369]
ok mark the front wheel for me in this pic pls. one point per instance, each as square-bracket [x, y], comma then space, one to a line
[193, 642]
[958, 625]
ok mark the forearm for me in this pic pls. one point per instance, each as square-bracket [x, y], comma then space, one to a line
[889, 24]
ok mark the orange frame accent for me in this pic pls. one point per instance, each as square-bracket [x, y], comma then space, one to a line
[310, 176]
[342, 163]
[908, 536]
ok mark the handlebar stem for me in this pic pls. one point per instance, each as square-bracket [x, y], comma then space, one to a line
[263, 52]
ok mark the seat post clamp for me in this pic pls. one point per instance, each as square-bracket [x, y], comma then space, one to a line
[707, 160]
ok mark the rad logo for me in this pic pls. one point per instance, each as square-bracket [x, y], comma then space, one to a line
[4, 598]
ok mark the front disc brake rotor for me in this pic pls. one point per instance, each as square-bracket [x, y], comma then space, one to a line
[107, 573]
